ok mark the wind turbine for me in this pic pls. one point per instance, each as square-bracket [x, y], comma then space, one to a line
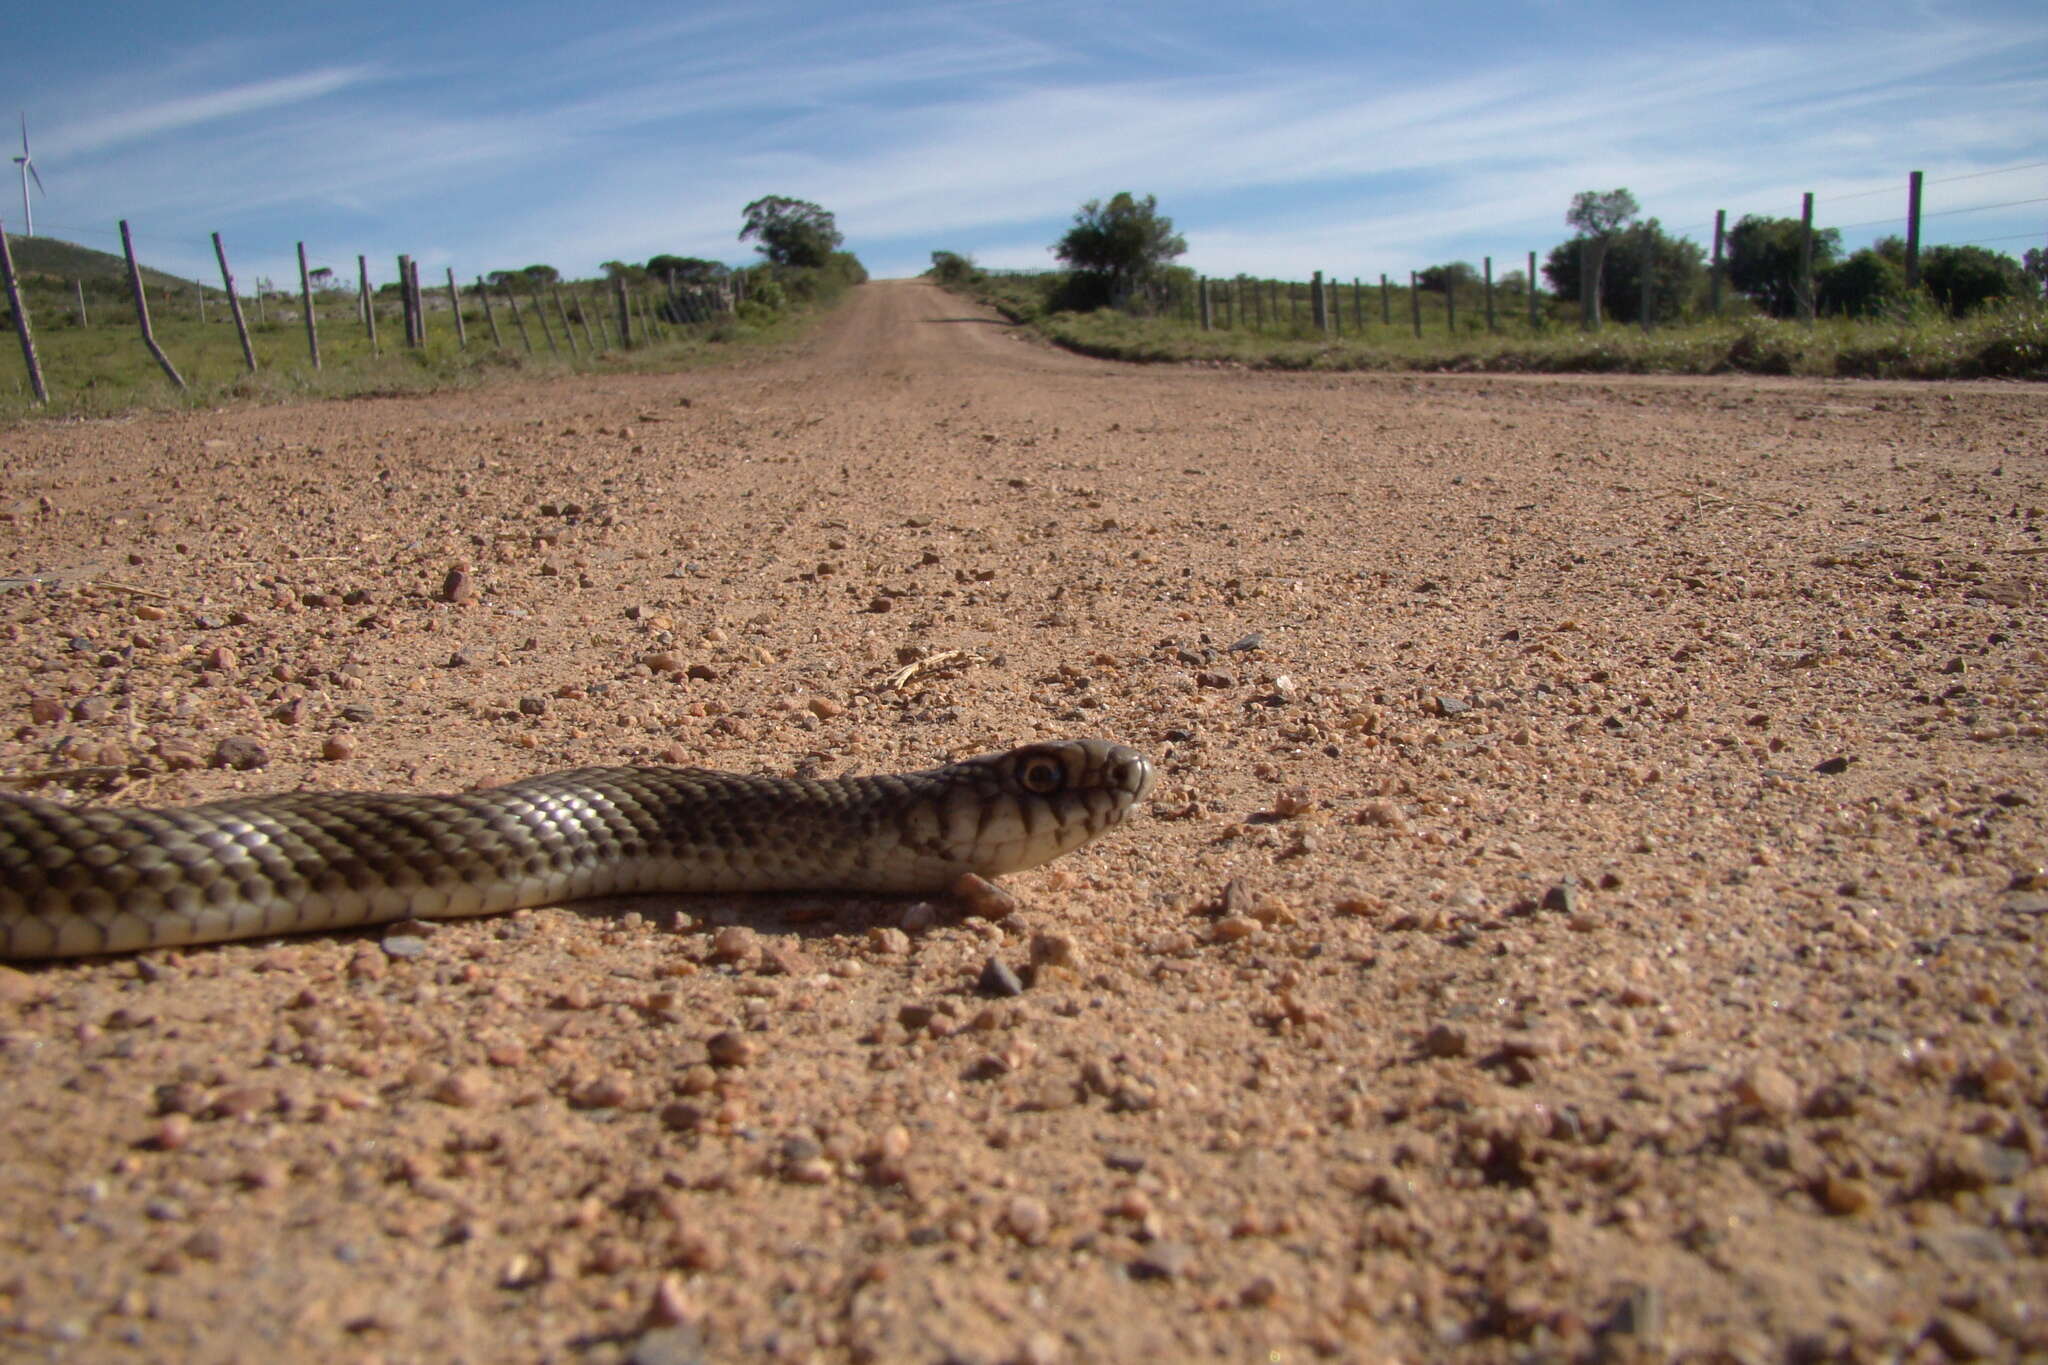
[28, 170]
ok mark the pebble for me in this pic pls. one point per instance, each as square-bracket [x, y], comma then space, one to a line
[736, 944]
[458, 586]
[1163, 1260]
[403, 946]
[240, 753]
[336, 748]
[997, 978]
[1053, 949]
[731, 1048]
[467, 1088]
[1231, 928]
[888, 941]
[1767, 1089]
[1028, 1220]
[1446, 1040]
[982, 898]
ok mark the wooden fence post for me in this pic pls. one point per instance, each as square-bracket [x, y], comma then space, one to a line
[1532, 291]
[142, 309]
[419, 302]
[199, 302]
[562, 313]
[1415, 304]
[540, 310]
[1319, 316]
[583, 319]
[525, 337]
[1714, 274]
[306, 299]
[1386, 302]
[368, 302]
[625, 317]
[455, 306]
[21, 327]
[1806, 258]
[78, 287]
[405, 296]
[1489, 295]
[497, 338]
[1357, 306]
[1913, 231]
[1451, 303]
[227, 282]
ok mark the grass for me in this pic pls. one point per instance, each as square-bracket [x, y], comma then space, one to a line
[2009, 342]
[98, 365]
[103, 368]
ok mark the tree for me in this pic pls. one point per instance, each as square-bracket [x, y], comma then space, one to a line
[320, 276]
[1677, 272]
[1598, 215]
[1869, 284]
[1965, 278]
[791, 232]
[688, 269]
[1442, 279]
[2034, 265]
[1763, 260]
[1118, 246]
[951, 268]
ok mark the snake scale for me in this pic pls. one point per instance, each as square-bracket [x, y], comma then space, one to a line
[77, 881]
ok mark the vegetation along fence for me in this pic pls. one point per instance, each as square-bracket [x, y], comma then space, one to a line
[1636, 272]
[512, 311]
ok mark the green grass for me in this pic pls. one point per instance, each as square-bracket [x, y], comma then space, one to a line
[2010, 342]
[104, 368]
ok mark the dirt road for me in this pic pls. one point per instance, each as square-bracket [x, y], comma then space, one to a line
[1594, 905]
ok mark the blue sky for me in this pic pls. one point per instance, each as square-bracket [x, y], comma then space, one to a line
[1282, 138]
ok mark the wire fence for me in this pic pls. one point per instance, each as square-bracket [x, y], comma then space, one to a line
[1461, 297]
[519, 311]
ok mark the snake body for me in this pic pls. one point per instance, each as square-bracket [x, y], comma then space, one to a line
[108, 880]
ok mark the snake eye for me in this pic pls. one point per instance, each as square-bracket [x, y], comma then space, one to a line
[1041, 775]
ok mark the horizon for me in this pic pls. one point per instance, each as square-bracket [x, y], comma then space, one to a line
[1299, 138]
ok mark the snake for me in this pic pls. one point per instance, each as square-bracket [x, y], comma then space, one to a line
[77, 881]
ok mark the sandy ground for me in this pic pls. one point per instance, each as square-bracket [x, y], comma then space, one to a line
[1593, 908]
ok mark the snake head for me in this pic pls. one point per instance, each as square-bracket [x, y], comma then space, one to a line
[1009, 811]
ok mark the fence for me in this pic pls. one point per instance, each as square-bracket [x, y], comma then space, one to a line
[1369, 307]
[589, 324]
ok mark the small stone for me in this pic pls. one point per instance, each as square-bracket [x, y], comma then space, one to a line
[1214, 678]
[1231, 928]
[824, 708]
[888, 941]
[1293, 801]
[664, 661]
[1446, 1040]
[684, 1117]
[731, 1048]
[45, 710]
[613, 1090]
[982, 898]
[1262, 1291]
[1028, 1220]
[464, 1089]
[1768, 1090]
[1053, 949]
[1844, 1196]
[1163, 1260]
[1563, 896]
[336, 748]
[406, 946]
[458, 586]
[533, 706]
[736, 944]
[240, 753]
[1834, 766]
[997, 978]
[1451, 706]
[1963, 1337]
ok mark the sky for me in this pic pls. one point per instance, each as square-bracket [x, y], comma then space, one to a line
[1281, 138]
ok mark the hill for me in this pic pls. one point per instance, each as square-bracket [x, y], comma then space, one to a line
[61, 262]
